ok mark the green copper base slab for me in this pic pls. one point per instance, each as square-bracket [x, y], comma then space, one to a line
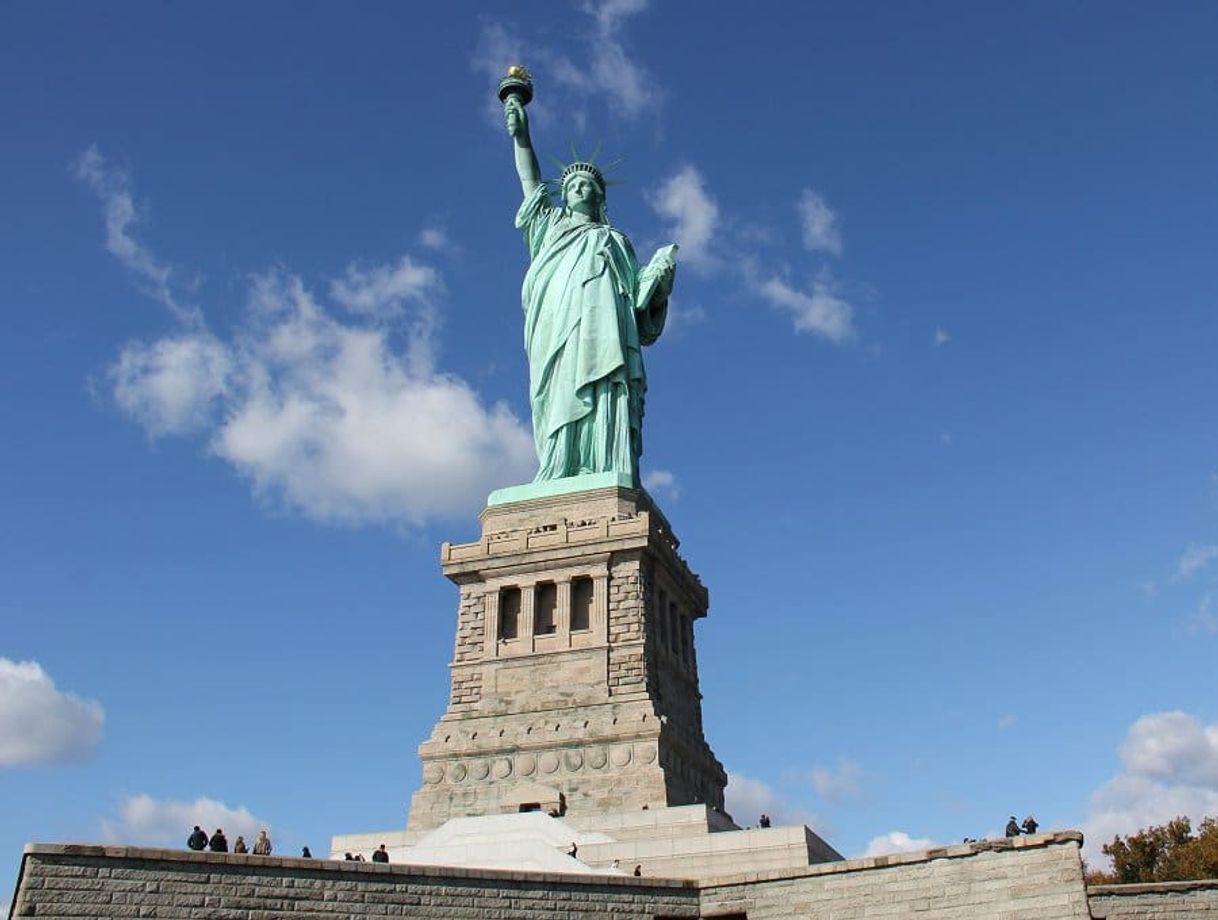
[564, 486]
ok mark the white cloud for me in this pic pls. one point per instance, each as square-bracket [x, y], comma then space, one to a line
[692, 213]
[145, 821]
[40, 724]
[747, 799]
[941, 338]
[1173, 747]
[840, 782]
[172, 385]
[896, 842]
[1194, 559]
[113, 187]
[820, 230]
[384, 290]
[1169, 767]
[1006, 722]
[662, 481]
[822, 312]
[342, 419]
[330, 420]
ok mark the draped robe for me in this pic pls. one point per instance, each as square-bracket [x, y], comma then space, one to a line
[583, 332]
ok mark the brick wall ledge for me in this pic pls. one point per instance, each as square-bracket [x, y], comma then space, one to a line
[345, 866]
[956, 851]
[1132, 888]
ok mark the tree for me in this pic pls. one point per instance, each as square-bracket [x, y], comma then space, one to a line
[1168, 852]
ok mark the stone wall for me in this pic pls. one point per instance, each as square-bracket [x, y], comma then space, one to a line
[1029, 878]
[1158, 901]
[117, 883]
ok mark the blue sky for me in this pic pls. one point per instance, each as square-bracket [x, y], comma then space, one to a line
[930, 417]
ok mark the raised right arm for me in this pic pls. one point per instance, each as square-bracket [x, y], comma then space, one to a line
[526, 160]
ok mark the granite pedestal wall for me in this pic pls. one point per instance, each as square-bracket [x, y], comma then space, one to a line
[574, 675]
[119, 883]
[1197, 900]
[1032, 878]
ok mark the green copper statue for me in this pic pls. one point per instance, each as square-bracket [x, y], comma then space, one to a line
[588, 310]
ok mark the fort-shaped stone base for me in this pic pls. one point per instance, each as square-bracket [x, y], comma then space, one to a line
[574, 677]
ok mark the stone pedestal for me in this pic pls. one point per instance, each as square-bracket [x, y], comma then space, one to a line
[574, 679]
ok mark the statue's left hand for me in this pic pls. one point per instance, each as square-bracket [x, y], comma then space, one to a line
[668, 274]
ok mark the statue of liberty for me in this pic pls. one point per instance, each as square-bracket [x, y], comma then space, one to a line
[588, 310]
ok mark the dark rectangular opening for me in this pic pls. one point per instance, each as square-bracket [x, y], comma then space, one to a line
[545, 615]
[581, 604]
[509, 613]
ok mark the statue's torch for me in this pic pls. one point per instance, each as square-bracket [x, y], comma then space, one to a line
[517, 83]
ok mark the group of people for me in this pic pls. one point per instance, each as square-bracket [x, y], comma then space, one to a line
[380, 855]
[1014, 828]
[218, 843]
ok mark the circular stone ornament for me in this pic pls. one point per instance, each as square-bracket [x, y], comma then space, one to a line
[501, 768]
[457, 772]
[526, 764]
[597, 758]
[480, 770]
[548, 762]
[573, 760]
[620, 756]
[433, 773]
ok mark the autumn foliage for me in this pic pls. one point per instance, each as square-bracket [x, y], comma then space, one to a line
[1169, 852]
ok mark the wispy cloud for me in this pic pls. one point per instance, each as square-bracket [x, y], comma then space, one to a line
[819, 311]
[691, 214]
[41, 724]
[384, 290]
[595, 68]
[624, 82]
[1204, 619]
[339, 414]
[941, 338]
[113, 187]
[819, 222]
[840, 782]
[662, 482]
[1195, 558]
[435, 238]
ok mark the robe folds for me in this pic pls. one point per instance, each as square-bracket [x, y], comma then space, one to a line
[583, 333]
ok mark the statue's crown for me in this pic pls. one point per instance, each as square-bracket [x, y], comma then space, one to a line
[584, 168]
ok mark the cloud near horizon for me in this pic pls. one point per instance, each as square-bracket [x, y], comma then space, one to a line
[40, 724]
[146, 821]
[747, 799]
[896, 842]
[1169, 767]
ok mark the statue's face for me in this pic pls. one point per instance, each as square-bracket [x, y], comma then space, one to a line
[582, 195]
